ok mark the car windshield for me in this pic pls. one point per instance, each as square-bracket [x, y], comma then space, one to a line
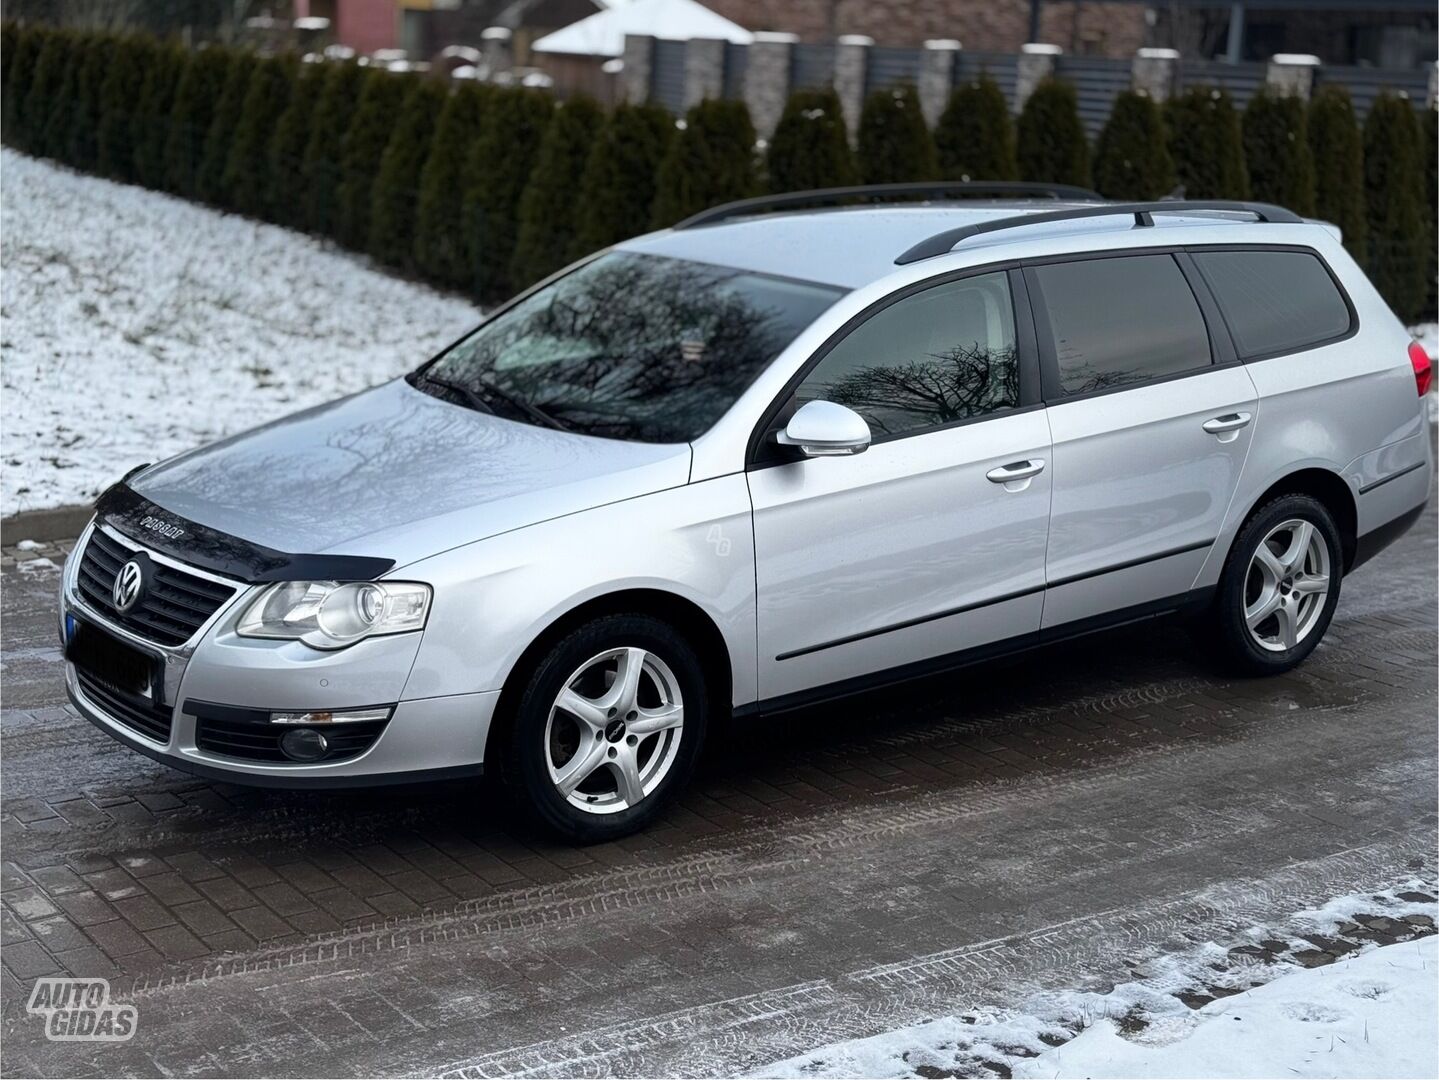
[628, 346]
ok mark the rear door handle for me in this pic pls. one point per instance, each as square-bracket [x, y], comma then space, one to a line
[1228, 422]
[1015, 470]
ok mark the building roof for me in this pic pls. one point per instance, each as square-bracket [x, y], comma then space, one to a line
[603, 33]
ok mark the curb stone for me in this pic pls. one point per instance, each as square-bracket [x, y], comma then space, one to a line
[56, 523]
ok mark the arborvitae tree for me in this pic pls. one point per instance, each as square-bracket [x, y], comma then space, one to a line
[125, 78]
[810, 148]
[549, 212]
[1431, 164]
[285, 200]
[397, 184]
[1131, 160]
[59, 116]
[439, 237]
[1394, 191]
[1207, 145]
[974, 139]
[55, 56]
[154, 112]
[202, 81]
[320, 170]
[1338, 152]
[19, 73]
[711, 161]
[894, 142]
[496, 171]
[363, 147]
[1052, 143]
[617, 192]
[210, 181]
[1276, 149]
[247, 169]
[92, 65]
[9, 35]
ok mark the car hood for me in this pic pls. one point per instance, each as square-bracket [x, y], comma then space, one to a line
[396, 473]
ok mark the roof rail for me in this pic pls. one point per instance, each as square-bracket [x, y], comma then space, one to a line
[942, 243]
[944, 189]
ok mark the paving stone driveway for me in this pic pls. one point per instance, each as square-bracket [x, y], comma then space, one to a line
[1115, 786]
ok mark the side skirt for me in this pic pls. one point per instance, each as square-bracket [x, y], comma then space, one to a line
[1183, 604]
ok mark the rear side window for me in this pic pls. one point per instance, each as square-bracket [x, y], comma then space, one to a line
[1121, 321]
[1274, 301]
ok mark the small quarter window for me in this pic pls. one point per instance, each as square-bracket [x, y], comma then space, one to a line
[1274, 301]
[1122, 320]
[940, 356]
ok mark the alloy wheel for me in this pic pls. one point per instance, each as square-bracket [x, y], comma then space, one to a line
[1286, 585]
[614, 731]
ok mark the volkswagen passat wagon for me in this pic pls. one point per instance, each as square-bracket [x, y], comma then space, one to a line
[748, 463]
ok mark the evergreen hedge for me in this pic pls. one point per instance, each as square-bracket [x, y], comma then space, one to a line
[711, 161]
[154, 113]
[92, 64]
[1337, 148]
[894, 142]
[810, 147]
[363, 146]
[247, 168]
[1207, 144]
[59, 118]
[397, 182]
[549, 212]
[496, 170]
[19, 72]
[215, 155]
[119, 93]
[1131, 158]
[1052, 146]
[320, 169]
[1394, 183]
[440, 249]
[974, 139]
[196, 95]
[1431, 163]
[285, 171]
[617, 192]
[45, 85]
[1277, 153]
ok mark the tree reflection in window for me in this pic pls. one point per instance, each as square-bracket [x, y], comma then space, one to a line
[943, 355]
[637, 346]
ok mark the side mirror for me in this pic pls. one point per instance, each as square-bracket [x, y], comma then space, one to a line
[825, 429]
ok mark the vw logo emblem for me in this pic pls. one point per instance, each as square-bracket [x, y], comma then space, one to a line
[126, 591]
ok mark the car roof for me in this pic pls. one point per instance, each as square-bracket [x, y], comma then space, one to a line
[855, 245]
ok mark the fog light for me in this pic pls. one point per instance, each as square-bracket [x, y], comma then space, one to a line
[304, 744]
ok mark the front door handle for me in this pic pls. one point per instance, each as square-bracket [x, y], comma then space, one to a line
[1228, 422]
[1015, 471]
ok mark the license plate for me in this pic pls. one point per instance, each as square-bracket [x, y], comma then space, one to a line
[110, 661]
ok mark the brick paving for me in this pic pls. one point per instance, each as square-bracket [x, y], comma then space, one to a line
[116, 866]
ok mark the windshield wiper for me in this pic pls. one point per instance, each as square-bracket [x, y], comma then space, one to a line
[534, 412]
[472, 399]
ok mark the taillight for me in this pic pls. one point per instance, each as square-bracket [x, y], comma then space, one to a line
[1423, 367]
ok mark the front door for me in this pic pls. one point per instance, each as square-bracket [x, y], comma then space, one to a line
[931, 542]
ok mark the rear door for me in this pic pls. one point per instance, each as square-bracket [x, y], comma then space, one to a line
[1151, 415]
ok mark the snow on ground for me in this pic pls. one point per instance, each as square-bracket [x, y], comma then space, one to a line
[136, 325]
[1427, 334]
[1373, 1013]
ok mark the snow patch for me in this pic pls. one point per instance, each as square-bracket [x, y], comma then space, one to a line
[137, 325]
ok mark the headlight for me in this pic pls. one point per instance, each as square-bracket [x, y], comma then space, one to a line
[331, 615]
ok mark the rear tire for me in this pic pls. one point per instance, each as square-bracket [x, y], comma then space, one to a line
[607, 729]
[1279, 587]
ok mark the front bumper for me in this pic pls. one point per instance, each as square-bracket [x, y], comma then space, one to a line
[425, 738]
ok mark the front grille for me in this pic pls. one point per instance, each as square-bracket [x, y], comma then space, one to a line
[174, 606]
[261, 741]
[138, 714]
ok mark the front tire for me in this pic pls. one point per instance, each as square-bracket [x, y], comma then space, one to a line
[607, 729]
[1279, 587]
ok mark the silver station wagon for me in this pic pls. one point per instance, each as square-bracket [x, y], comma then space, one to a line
[788, 450]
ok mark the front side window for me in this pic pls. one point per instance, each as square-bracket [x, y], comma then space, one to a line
[1274, 301]
[942, 355]
[1121, 321]
[629, 346]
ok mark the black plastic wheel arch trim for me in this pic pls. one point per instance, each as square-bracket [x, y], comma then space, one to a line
[126, 510]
